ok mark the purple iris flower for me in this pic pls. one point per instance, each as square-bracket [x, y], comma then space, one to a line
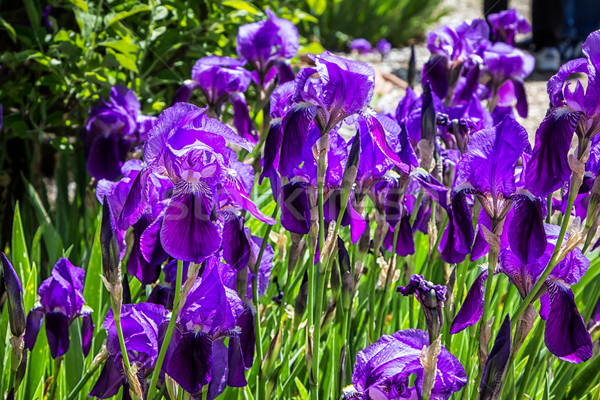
[61, 302]
[454, 47]
[362, 46]
[506, 67]
[267, 45]
[112, 129]
[222, 79]
[140, 323]
[383, 369]
[196, 355]
[507, 24]
[565, 335]
[572, 110]
[190, 149]
[383, 47]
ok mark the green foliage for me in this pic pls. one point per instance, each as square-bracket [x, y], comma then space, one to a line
[398, 21]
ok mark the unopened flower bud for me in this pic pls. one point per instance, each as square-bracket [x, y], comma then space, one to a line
[432, 298]
[111, 260]
[301, 299]
[14, 294]
[271, 355]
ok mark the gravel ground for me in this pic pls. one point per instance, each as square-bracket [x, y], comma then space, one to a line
[388, 92]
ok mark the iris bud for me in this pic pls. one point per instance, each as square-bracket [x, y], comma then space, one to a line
[14, 292]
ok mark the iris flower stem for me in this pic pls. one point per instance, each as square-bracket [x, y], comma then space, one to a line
[531, 361]
[573, 190]
[493, 260]
[261, 389]
[57, 365]
[99, 360]
[169, 333]
[117, 317]
[388, 282]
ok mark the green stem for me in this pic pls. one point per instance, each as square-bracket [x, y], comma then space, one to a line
[168, 334]
[98, 360]
[261, 389]
[117, 317]
[388, 278]
[483, 345]
[57, 365]
[530, 362]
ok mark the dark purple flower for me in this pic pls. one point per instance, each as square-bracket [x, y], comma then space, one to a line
[362, 46]
[572, 110]
[14, 296]
[383, 369]
[383, 47]
[111, 130]
[140, 323]
[507, 67]
[211, 312]
[266, 44]
[565, 335]
[507, 24]
[61, 302]
[453, 47]
[222, 79]
[191, 150]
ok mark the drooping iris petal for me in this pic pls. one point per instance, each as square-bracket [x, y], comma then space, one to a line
[271, 157]
[134, 206]
[295, 126]
[491, 158]
[241, 117]
[87, 333]
[247, 336]
[32, 327]
[458, 237]
[295, 207]
[565, 335]
[236, 246]
[219, 371]
[187, 231]
[405, 244]
[236, 377]
[548, 168]
[103, 158]
[150, 245]
[526, 234]
[190, 362]
[57, 332]
[109, 381]
[472, 308]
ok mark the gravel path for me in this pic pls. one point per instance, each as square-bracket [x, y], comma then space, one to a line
[387, 94]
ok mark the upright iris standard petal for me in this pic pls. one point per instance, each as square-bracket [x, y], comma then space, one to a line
[187, 232]
[35, 318]
[565, 335]
[472, 308]
[491, 158]
[360, 45]
[295, 207]
[548, 168]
